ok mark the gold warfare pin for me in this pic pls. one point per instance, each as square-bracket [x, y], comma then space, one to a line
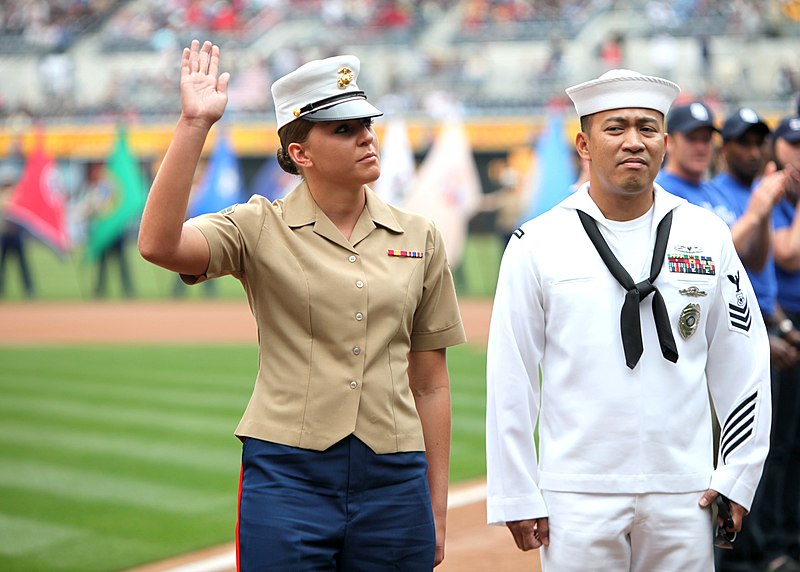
[689, 320]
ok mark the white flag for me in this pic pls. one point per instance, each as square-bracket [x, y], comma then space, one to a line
[397, 164]
[447, 188]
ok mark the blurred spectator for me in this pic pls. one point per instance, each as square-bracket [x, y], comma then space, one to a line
[246, 89]
[749, 193]
[12, 239]
[505, 200]
[661, 14]
[554, 65]
[778, 510]
[101, 196]
[50, 24]
[788, 81]
[690, 151]
[742, 187]
[611, 51]
[57, 78]
[664, 54]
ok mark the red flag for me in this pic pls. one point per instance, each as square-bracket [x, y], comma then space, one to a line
[37, 203]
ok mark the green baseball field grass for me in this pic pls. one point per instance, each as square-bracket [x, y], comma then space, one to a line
[111, 457]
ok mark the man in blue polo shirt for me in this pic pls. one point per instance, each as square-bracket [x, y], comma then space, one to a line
[690, 152]
[747, 206]
[778, 510]
[745, 195]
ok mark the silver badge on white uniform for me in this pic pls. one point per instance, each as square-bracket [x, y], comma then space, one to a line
[689, 320]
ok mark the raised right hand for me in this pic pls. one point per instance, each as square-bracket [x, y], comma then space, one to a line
[204, 94]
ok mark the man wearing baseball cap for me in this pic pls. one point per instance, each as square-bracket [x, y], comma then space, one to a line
[617, 314]
[744, 193]
[778, 508]
[690, 151]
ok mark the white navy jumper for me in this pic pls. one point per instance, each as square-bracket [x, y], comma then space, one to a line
[604, 427]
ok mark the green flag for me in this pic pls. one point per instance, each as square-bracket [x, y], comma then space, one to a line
[126, 190]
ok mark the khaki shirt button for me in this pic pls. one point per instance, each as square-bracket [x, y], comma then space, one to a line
[359, 284]
[353, 384]
[359, 316]
[356, 350]
[352, 258]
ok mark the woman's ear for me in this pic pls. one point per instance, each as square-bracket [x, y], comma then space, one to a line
[299, 155]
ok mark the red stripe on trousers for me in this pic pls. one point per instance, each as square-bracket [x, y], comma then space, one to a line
[238, 517]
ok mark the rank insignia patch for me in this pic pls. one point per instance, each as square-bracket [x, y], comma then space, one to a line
[519, 233]
[691, 264]
[405, 253]
[738, 309]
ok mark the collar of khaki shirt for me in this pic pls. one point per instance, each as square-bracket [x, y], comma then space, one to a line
[300, 209]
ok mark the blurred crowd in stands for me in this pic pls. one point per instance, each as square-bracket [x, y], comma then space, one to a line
[49, 24]
[442, 68]
[54, 24]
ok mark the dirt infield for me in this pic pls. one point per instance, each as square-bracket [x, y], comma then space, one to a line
[27, 323]
[472, 546]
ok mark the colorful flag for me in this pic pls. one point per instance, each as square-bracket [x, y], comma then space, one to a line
[397, 165]
[127, 194]
[222, 184]
[447, 187]
[271, 181]
[37, 202]
[553, 170]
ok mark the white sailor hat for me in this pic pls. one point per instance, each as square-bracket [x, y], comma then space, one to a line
[620, 88]
[322, 90]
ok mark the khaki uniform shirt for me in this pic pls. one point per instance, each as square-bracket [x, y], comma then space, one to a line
[336, 318]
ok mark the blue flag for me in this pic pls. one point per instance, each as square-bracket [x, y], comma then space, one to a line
[222, 184]
[271, 181]
[555, 172]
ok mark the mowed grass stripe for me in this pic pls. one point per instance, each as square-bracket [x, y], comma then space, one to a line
[167, 399]
[102, 552]
[23, 535]
[100, 447]
[102, 414]
[60, 480]
[182, 367]
[48, 543]
[219, 435]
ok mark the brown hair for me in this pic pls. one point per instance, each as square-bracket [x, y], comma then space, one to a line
[293, 132]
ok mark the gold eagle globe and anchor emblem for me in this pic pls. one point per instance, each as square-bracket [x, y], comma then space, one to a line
[345, 77]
